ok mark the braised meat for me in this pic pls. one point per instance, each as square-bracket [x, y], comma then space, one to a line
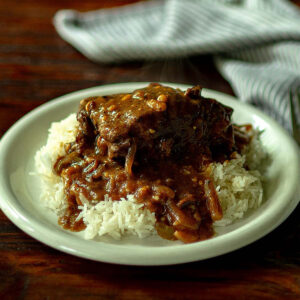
[156, 144]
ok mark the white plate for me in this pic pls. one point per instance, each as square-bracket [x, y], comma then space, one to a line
[19, 191]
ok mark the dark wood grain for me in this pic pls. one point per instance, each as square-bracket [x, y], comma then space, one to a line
[37, 66]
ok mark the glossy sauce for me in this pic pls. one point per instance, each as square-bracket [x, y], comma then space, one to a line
[156, 144]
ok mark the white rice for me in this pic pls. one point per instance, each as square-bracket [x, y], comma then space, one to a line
[238, 189]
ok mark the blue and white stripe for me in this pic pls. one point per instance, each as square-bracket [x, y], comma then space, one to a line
[256, 43]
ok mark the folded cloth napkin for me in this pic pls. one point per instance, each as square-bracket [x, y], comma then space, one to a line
[256, 43]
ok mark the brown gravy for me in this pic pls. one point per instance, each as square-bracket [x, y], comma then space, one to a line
[156, 144]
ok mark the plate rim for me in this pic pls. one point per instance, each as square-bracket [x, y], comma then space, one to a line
[26, 225]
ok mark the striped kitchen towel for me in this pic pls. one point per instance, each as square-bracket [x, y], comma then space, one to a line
[256, 43]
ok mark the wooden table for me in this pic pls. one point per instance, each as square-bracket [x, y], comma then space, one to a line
[36, 66]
